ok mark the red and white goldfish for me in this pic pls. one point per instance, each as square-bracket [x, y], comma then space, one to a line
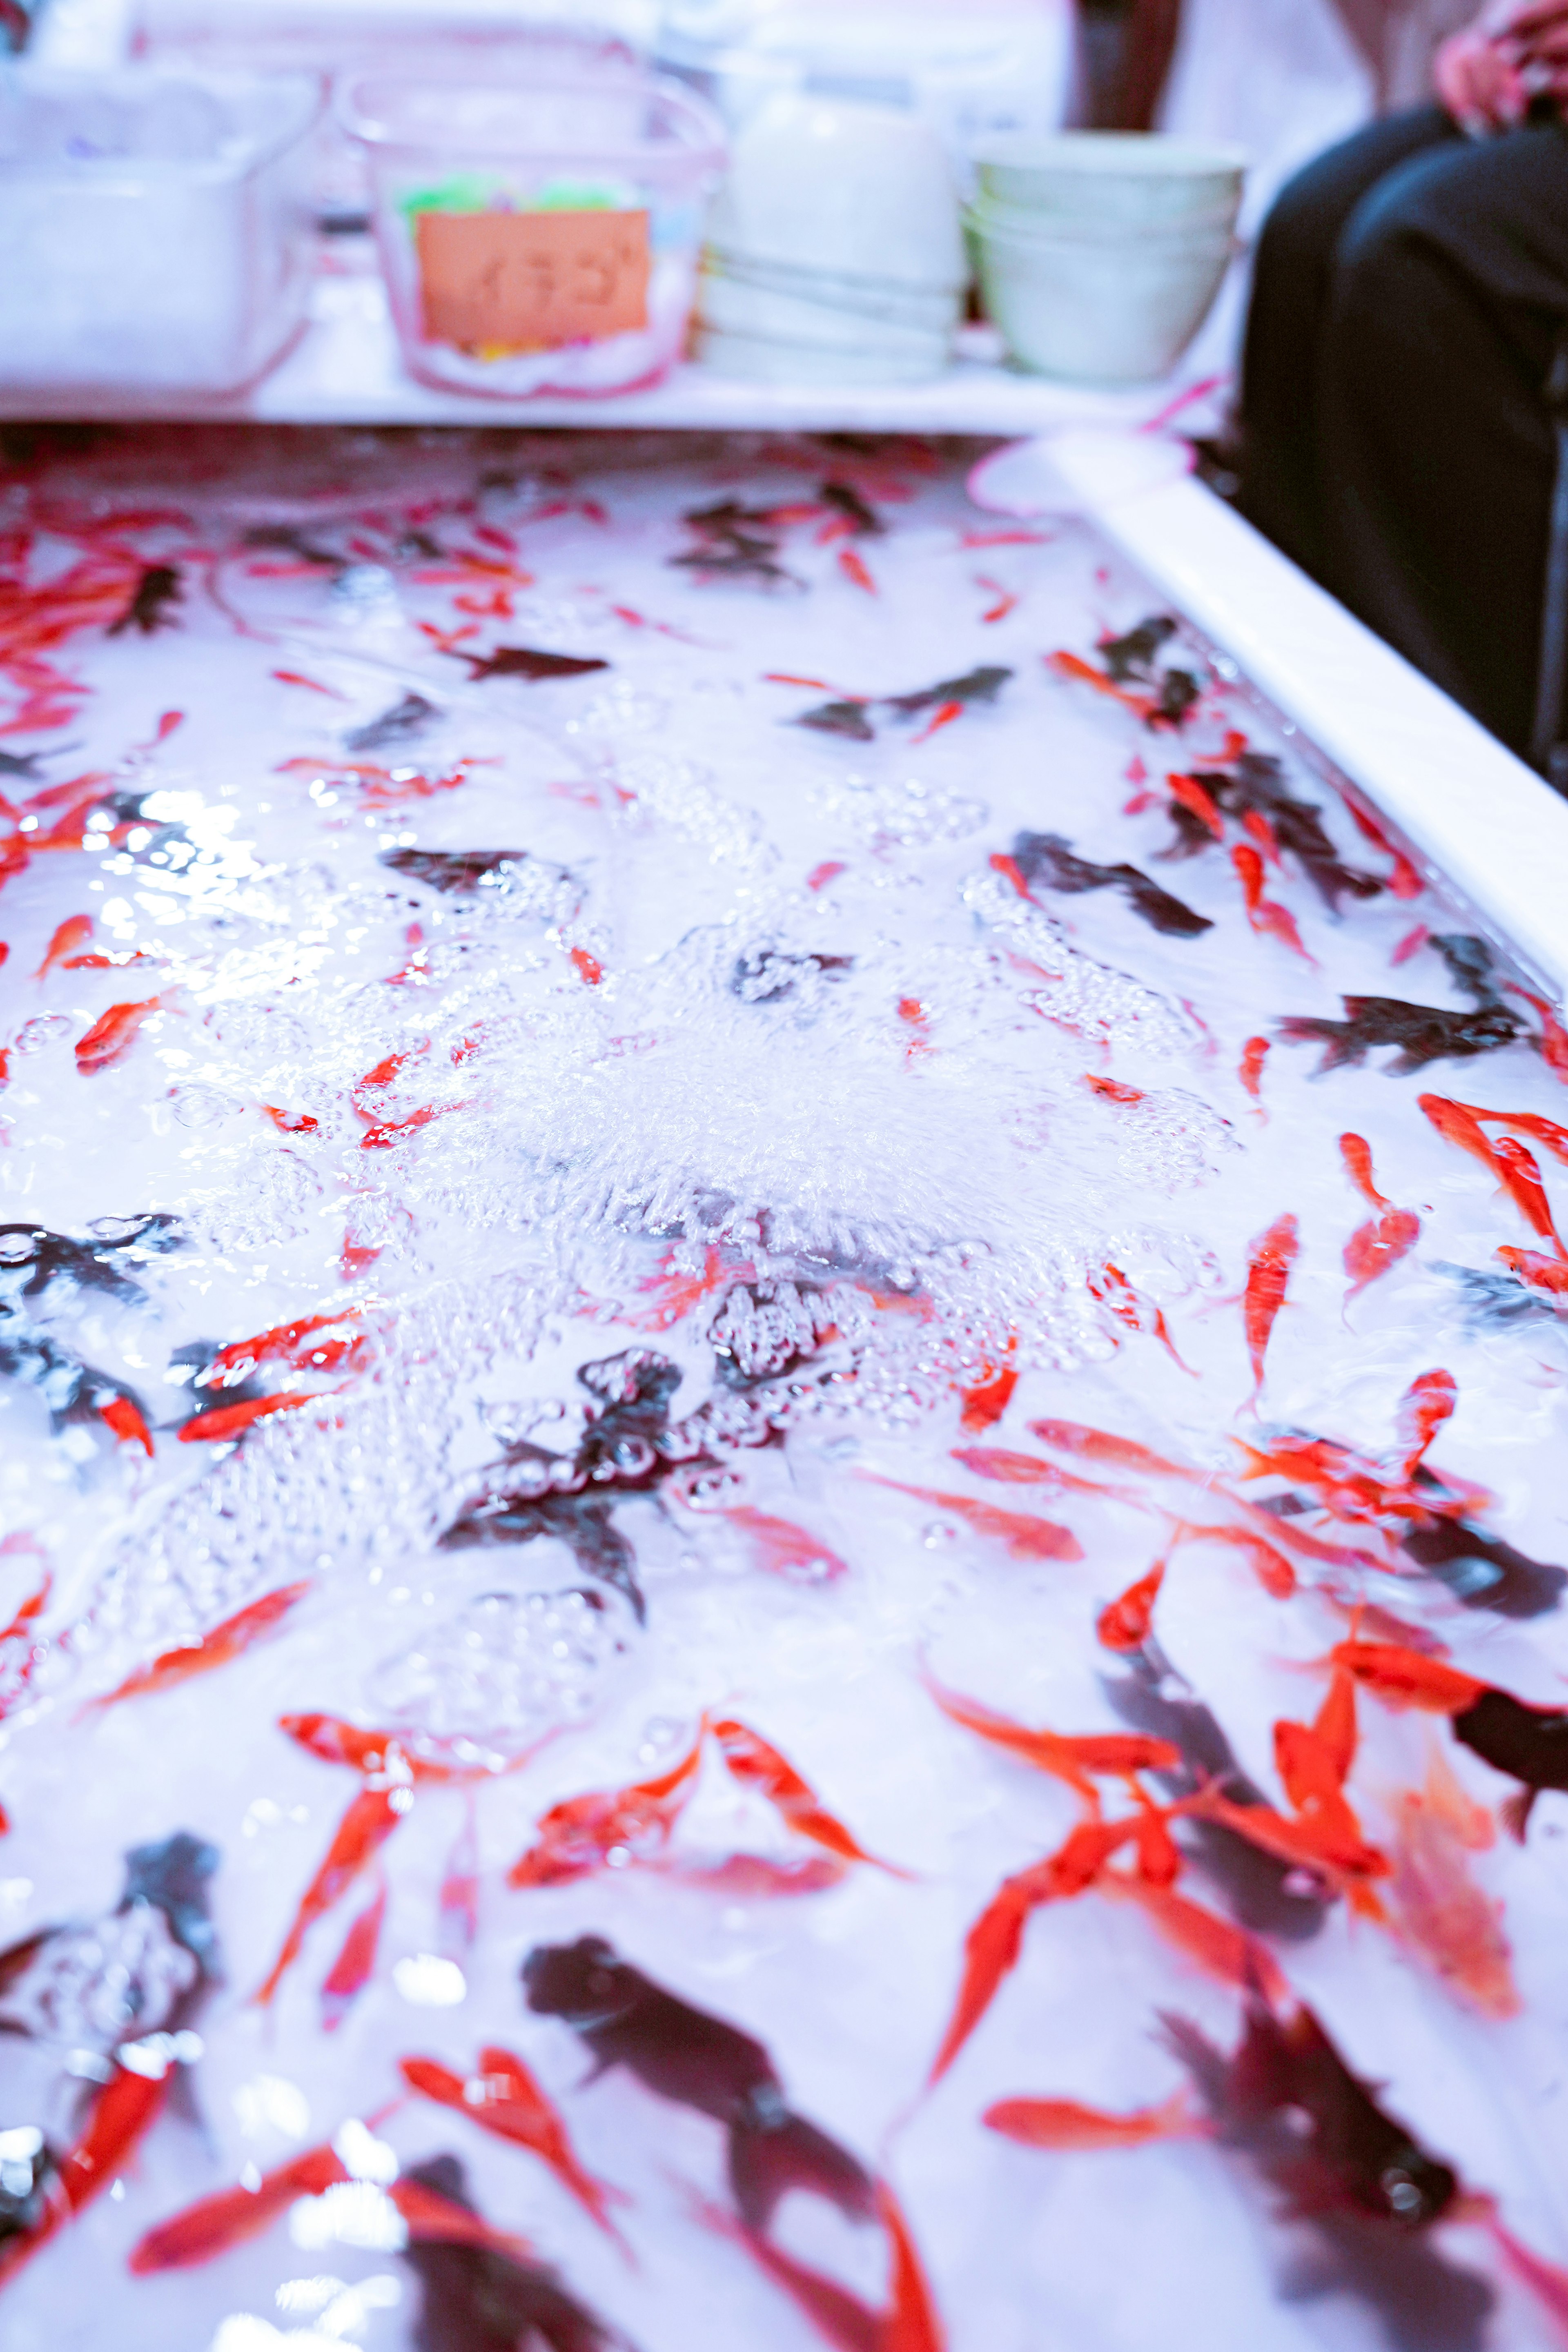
[1438, 1908]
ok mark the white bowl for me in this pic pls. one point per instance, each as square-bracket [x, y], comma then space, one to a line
[834, 249]
[1087, 308]
[1133, 176]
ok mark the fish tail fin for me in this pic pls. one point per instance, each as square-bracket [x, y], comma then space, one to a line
[769, 2156]
[1515, 1812]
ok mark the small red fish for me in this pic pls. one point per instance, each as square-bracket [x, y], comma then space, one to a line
[1549, 1132]
[356, 1964]
[1112, 1286]
[1100, 1445]
[1535, 1271]
[757, 1765]
[1521, 1179]
[1379, 1244]
[123, 2112]
[1552, 1041]
[1426, 1404]
[1410, 944]
[69, 937]
[1458, 1125]
[1074, 667]
[1110, 1089]
[213, 2224]
[577, 1836]
[364, 1829]
[1250, 1068]
[114, 1032]
[504, 2098]
[785, 1549]
[1024, 1537]
[1270, 1260]
[226, 1421]
[1193, 797]
[1262, 834]
[1128, 1621]
[214, 1649]
[1065, 2124]
[1437, 1906]
[993, 1944]
[985, 1402]
[284, 1343]
[1268, 918]
[1074, 1758]
[828, 871]
[1267, 1562]
[588, 967]
[1224, 1951]
[1403, 882]
[1010, 1469]
[298, 678]
[854, 568]
[124, 1419]
[1007, 600]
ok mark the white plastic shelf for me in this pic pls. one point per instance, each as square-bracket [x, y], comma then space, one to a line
[345, 369]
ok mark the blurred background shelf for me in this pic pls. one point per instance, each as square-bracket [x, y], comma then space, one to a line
[345, 369]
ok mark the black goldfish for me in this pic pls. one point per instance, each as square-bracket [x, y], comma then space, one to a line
[698, 2061]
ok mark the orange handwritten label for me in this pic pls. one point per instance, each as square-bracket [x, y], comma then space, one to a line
[500, 282]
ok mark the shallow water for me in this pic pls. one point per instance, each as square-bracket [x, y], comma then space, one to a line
[683, 1138]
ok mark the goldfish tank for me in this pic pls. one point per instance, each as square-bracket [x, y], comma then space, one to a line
[782, 1355]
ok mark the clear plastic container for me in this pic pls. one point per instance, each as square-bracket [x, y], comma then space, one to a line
[155, 233]
[538, 238]
[475, 40]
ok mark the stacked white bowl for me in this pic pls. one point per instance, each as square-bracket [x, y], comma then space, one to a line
[1098, 252]
[834, 254]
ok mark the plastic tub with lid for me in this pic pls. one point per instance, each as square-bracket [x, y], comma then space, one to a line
[538, 237]
[155, 230]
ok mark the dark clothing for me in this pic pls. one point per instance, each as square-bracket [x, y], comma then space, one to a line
[1410, 288]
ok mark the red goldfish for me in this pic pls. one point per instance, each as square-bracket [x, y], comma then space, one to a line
[284, 1343]
[123, 2111]
[69, 936]
[1437, 1906]
[1268, 918]
[114, 1032]
[225, 1421]
[1379, 1244]
[1537, 1272]
[578, 1835]
[1195, 797]
[364, 1829]
[213, 2224]
[1250, 1068]
[504, 2098]
[352, 1970]
[1128, 1621]
[1522, 1178]
[1025, 1538]
[1065, 2124]
[214, 1649]
[755, 1764]
[1269, 1260]
[1070, 1758]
